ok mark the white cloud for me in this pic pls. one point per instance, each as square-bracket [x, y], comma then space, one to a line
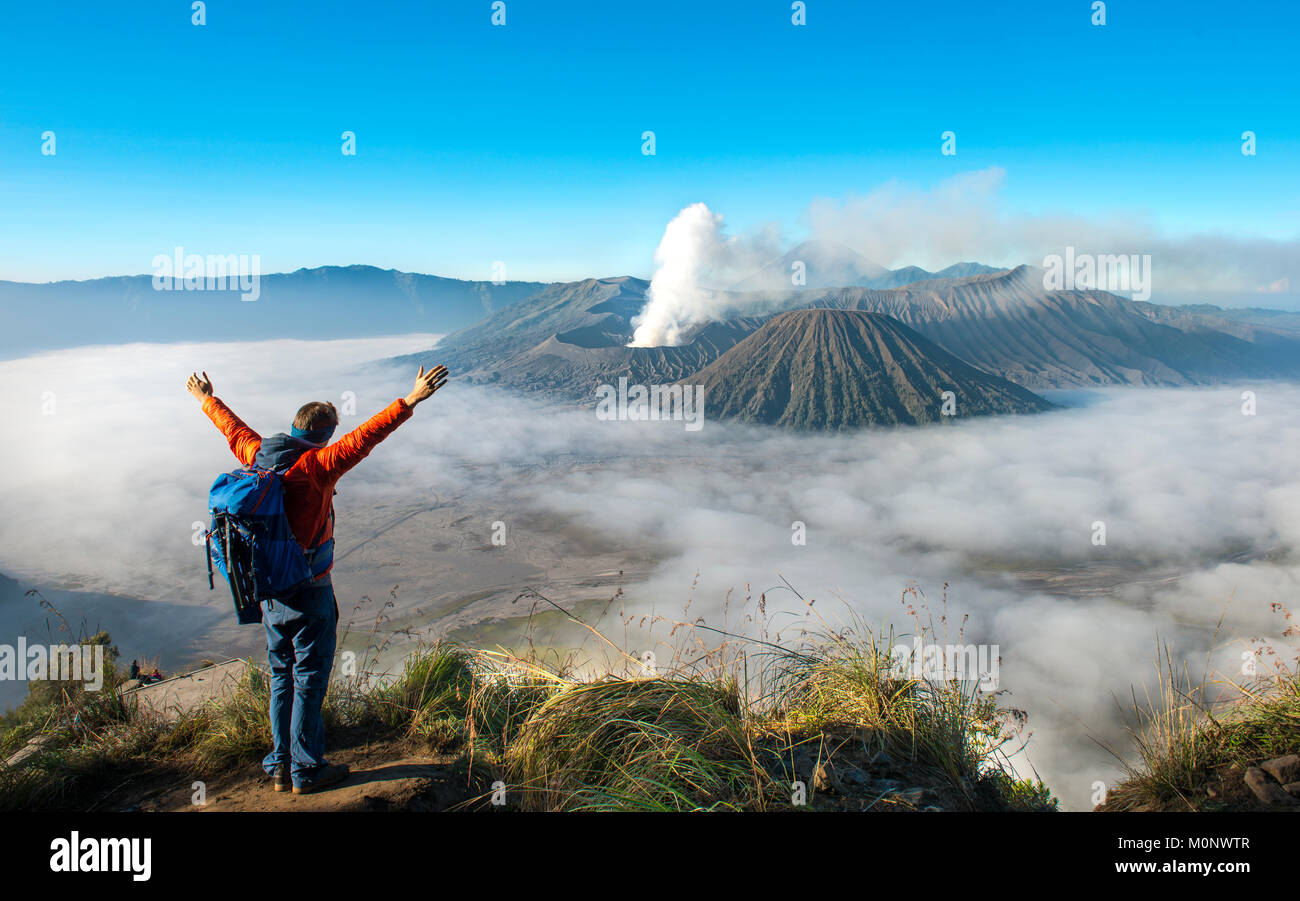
[963, 218]
[960, 219]
[105, 491]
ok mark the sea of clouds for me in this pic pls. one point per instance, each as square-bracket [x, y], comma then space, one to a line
[107, 461]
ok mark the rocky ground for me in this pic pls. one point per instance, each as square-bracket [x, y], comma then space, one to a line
[1273, 785]
[839, 773]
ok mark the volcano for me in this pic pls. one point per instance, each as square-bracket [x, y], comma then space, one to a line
[847, 369]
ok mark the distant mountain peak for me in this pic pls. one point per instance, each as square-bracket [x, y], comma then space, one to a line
[829, 263]
[311, 303]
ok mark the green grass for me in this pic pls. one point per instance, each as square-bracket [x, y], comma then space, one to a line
[651, 744]
[705, 732]
[224, 733]
[950, 728]
[1186, 744]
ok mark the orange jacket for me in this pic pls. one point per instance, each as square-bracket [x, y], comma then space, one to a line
[309, 483]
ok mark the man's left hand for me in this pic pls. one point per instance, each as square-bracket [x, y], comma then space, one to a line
[200, 387]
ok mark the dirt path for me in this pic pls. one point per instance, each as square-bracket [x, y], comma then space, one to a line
[384, 777]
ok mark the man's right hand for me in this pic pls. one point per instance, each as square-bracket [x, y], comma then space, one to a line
[426, 383]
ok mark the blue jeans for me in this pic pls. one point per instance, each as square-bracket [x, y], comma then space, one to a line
[300, 636]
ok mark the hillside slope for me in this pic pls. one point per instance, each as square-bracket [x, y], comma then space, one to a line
[571, 337]
[837, 369]
[568, 338]
[1006, 324]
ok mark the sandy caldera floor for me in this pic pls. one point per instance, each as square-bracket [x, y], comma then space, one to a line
[414, 569]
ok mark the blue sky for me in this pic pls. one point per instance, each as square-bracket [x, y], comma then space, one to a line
[522, 143]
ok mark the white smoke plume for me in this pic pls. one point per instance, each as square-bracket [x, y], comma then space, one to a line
[694, 254]
[960, 219]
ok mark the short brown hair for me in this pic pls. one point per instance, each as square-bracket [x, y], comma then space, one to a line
[316, 415]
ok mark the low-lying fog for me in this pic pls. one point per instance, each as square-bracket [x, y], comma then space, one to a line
[107, 462]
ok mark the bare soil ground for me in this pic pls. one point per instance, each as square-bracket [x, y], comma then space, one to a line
[386, 776]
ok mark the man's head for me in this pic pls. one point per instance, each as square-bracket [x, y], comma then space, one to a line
[316, 421]
[316, 415]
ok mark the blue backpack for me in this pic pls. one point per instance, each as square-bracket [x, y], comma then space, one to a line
[251, 543]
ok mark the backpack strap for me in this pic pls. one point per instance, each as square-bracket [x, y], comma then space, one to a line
[207, 542]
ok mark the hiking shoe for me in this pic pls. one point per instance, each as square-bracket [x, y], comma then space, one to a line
[280, 780]
[324, 777]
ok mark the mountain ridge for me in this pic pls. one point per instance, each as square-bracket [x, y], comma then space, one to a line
[830, 264]
[846, 369]
[319, 303]
[571, 337]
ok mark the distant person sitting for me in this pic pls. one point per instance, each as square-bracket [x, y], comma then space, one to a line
[135, 669]
[301, 630]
